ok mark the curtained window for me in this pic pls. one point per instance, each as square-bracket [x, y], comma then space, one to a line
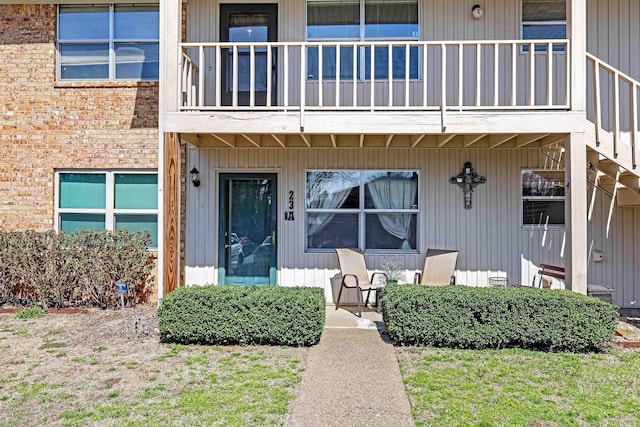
[369, 210]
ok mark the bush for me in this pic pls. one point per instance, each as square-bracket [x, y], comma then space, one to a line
[242, 315]
[52, 269]
[480, 318]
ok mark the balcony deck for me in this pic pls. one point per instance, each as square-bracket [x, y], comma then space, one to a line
[419, 88]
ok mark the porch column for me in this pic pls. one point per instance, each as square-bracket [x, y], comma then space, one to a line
[171, 208]
[170, 37]
[576, 212]
[577, 34]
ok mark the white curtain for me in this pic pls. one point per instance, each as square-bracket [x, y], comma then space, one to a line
[334, 200]
[394, 193]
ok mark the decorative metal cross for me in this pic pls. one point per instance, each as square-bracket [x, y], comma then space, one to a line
[467, 180]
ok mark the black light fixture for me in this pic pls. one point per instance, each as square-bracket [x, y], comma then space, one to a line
[195, 177]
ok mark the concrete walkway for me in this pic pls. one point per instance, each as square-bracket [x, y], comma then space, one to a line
[352, 377]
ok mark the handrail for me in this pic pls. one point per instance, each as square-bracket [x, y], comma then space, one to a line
[623, 114]
[385, 75]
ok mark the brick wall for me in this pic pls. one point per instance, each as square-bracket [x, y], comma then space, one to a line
[47, 125]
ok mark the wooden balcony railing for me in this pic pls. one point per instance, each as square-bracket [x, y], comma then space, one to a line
[613, 107]
[375, 76]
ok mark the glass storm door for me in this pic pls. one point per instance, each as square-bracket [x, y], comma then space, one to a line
[248, 23]
[247, 234]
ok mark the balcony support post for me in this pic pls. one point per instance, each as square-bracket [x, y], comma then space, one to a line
[170, 253]
[576, 31]
[170, 38]
[576, 212]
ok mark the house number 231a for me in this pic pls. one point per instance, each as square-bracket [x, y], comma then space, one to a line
[288, 215]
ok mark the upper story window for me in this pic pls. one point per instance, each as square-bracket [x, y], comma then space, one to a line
[104, 200]
[543, 198]
[370, 210]
[544, 20]
[108, 42]
[362, 20]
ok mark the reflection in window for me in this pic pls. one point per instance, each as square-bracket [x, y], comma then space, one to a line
[108, 201]
[102, 42]
[544, 20]
[543, 194]
[385, 218]
[342, 21]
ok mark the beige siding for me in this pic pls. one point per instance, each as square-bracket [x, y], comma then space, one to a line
[489, 236]
[440, 20]
[613, 33]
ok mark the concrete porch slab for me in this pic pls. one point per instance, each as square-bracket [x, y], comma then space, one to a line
[346, 317]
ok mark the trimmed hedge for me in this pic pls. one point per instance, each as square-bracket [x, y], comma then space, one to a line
[242, 315]
[492, 318]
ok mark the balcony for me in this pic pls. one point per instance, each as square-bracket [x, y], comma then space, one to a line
[406, 75]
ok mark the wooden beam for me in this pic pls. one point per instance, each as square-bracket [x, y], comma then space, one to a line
[171, 208]
[279, 141]
[415, 139]
[254, 139]
[389, 139]
[552, 139]
[306, 139]
[191, 138]
[361, 140]
[626, 197]
[333, 140]
[443, 139]
[469, 140]
[231, 143]
[498, 140]
[522, 140]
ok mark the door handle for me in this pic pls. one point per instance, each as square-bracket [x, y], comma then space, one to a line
[273, 238]
[227, 246]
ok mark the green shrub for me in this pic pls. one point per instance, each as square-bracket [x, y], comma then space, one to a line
[242, 315]
[480, 318]
[31, 313]
[52, 269]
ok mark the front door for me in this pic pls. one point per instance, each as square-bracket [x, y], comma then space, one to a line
[248, 23]
[247, 235]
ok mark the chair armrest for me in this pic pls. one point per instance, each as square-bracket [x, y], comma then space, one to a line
[344, 276]
[416, 278]
[383, 274]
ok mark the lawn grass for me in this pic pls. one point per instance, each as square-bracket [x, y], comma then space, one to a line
[50, 376]
[521, 388]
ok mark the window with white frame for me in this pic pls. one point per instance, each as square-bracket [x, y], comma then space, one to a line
[357, 21]
[544, 20]
[107, 201]
[543, 198]
[108, 42]
[370, 210]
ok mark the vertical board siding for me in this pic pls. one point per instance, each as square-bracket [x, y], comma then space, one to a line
[489, 236]
[440, 20]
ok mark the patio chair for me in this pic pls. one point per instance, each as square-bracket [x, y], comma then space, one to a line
[439, 266]
[354, 276]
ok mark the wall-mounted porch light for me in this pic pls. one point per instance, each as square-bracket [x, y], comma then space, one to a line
[195, 177]
[476, 11]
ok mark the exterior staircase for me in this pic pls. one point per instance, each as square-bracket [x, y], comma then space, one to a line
[613, 135]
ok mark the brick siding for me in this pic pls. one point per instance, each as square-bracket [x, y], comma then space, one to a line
[47, 125]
